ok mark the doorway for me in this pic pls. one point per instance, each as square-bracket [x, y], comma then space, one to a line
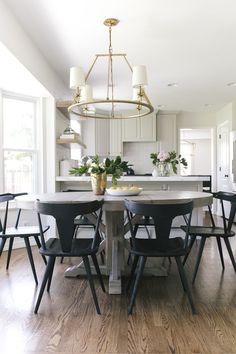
[223, 161]
[196, 146]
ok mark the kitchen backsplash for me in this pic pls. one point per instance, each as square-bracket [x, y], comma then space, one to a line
[138, 154]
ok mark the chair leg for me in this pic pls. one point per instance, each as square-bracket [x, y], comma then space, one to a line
[227, 243]
[192, 240]
[185, 283]
[102, 257]
[90, 279]
[199, 256]
[129, 258]
[137, 280]
[50, 275]
[11, 240]
[2, 244]
[39, 246]
[29, 252]
[47, 273]
[220, 252]
[134, 265]
[95, 262]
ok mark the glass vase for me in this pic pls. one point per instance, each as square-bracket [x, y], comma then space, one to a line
[99, 183]
[164, 169]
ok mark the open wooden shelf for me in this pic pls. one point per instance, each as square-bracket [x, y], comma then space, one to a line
[63, 107]
[67, 142]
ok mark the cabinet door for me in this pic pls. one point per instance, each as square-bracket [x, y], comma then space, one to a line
[166, 131]
[102, 137]
[147, 128]
[139, 129]
[116, 145]
[130, 129]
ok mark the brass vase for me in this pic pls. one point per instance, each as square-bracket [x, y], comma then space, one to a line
[99, 183]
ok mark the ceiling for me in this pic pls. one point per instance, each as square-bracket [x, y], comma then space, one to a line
[188, 42]
[16, 78]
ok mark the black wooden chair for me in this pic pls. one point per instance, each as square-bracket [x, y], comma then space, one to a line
[68, 246]
[25, 232]
[145, 223]
[162, 246]
[83, 222]
[224, 232]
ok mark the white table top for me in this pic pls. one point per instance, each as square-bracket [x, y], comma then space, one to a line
[117, 203]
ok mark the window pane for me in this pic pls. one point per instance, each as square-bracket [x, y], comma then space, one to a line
[18, 168]
[18, 123]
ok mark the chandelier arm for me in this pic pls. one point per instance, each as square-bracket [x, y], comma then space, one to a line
[91, 68]
[124, 55]
[146, 97]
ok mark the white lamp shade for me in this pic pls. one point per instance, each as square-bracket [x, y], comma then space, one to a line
[87, 93]
[77, 78]
[139, 76]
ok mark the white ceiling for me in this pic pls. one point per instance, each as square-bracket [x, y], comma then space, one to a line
[191, 42]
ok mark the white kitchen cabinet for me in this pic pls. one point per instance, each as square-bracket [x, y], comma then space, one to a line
[166, 131]
[116, 144]
[139, 129]
[95, 134]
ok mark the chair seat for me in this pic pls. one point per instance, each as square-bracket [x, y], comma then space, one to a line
[206, 231]
[80, 247]
[149, 248]
[22, 231]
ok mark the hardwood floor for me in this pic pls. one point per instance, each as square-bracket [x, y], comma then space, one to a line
[162, 321]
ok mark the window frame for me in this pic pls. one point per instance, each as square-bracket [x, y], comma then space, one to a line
[37, 131]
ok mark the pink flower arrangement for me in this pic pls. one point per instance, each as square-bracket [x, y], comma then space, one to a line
[163, 156]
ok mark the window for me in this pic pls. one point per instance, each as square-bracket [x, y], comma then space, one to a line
[19, 145]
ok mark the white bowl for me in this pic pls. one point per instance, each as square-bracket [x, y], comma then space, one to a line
[121, 192]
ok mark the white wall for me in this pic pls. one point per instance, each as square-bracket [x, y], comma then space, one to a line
[225, 114]
[20, 44]
[195, 120]
[139, 155]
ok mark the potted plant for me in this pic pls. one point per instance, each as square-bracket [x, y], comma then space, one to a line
[99, 171]
[164, 162]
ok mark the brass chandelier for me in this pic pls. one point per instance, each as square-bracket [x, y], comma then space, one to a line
[84, 105]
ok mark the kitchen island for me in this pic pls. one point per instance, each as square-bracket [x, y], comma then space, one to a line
[172, 183]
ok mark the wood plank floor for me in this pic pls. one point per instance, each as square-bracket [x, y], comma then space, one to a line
[161, 323]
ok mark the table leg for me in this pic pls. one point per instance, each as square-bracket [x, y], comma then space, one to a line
[115, 249]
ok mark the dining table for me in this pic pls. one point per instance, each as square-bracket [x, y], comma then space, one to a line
[115, 228]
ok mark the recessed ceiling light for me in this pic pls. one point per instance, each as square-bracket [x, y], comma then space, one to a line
[172, 84]
[231, 83]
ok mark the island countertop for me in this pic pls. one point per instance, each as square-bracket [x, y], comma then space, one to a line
[136, 178]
